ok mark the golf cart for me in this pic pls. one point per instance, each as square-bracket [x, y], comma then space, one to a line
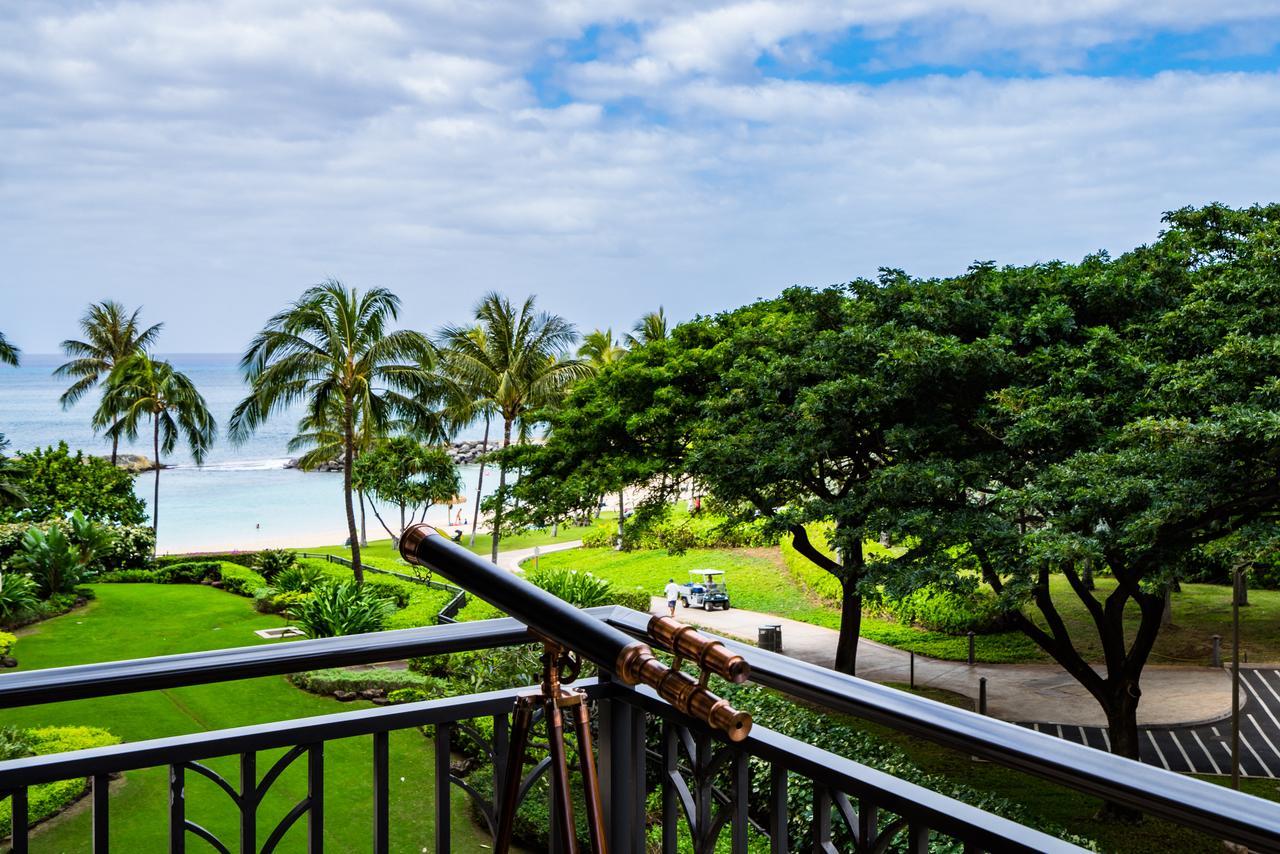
[706, 589]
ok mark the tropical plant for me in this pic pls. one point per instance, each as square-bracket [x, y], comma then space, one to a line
[54, 481]
[299, 579]
[17, 595]
[582, 589]
[111, 336]
[332, 351]
[272, 562]
[403, 472]
[8, 353]
[649, 328]
[143, 388]
[342, 608]
[15, 743]
[56, 562]
[512, 364]
[599, 348]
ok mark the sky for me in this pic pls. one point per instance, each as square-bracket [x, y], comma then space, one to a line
[209, 160]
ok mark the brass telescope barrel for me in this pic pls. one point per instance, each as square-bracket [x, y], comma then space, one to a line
[552, 618]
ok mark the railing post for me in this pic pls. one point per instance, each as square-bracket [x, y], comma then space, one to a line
[622, 799]
[315, 798]
[177, 810]
[972, 658]
[741, 794]
[778, 813]
[248, 803]
[382, 793]
[101, 828]
[443, 800]
[670, 806]
[20, 829]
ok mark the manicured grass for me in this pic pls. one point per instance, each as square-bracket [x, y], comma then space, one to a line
[380, 554]
[139, 620]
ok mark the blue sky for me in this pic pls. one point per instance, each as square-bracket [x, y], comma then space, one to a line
[209, 160]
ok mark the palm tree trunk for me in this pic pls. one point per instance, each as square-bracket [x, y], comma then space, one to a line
[115, 447]
[621, 544]
[364, 532]
[475, 517]
[502, 487]
[155, 496]
[348, 457]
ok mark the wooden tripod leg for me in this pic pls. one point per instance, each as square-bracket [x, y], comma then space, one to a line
[521, 720]
[590, 780]
[561, 797]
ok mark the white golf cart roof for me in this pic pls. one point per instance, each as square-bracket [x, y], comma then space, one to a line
[706, 573]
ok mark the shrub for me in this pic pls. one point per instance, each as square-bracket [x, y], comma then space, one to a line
[249, 560]
[582, 589]
[268, 600]
[342, 608]
[602, 535]
[128, 576]
[271, 562]
[240, 580]
[15, 743]
[7, 642]
[945, 611]
[53, 561]
[410, 695]
[380, 678]
[298, 579]
[49, 799]
[121, 546]
[637, 599]
[54, 482]
[17, 595]
[188, 573]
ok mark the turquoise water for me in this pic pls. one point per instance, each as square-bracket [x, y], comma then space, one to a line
[241, 498]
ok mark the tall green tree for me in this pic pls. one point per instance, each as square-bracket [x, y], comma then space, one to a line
[9, 354]
[651, 327]
[11, 494]
[599, 348]
[111, 335]
[407, 474]
[141, 389]
[332, 349]
[511, 363]
[56, 481]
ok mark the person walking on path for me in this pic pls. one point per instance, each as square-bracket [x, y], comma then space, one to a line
[673, 593]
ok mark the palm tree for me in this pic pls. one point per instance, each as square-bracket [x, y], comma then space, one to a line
[331, 350]
[511, 363]
[111, 336]
[650, 327]
[599, 348]
[8, 352]
[139, 388]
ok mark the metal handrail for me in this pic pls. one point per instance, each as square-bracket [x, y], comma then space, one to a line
[1179, 798]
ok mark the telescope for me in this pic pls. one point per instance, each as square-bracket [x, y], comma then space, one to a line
[563, 631]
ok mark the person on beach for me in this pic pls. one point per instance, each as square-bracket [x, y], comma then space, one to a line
[673, 593]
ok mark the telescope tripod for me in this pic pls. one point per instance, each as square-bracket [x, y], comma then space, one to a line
[557, 703]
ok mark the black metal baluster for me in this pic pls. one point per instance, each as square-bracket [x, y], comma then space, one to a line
[778, 809]
[101, 787]
[618, 774]
[442, 788]
[741, 791]
[177, 810]
[501, 747]
[703, 799]
[670, 808]
[381, 792]
[248, 803]
[868, 824]
[918, 839]
[821, 819]
[315, 798]
[19, 823]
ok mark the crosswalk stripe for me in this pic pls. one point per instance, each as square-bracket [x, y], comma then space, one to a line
[1212, 761]
[1106, 739]
[1249, 746]
[1258, 697]
[1037, 727]
[1084, 739]
[1276, 753]
[1190, 765]
[1264, 681]
[1060, 735]
[1159, 752]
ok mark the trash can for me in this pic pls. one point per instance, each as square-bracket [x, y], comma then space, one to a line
[771, 638]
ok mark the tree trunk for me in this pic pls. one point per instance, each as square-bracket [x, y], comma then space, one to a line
[1121, 708]
[364, 531]
[1240, 590]
[402, 519]
[475, 517]
[155, 497]
[1087, 575]
[555, 529]
[348, 457]
[115, 446]
[621, 531]
[502, 488]
[1166, 616]
[850, 627]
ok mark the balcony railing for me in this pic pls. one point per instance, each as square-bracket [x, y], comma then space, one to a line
[705, 780]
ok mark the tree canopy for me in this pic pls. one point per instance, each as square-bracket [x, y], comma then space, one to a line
[54, 482]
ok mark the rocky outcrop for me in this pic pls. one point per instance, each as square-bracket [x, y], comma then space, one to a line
[466, 452]
[133, 462]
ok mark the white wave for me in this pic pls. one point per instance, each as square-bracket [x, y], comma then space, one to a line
[240, 465]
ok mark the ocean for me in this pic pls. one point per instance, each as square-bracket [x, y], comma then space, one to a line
[241, 498]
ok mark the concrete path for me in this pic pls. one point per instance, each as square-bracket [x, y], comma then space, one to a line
[510, 561]
[1043, 693]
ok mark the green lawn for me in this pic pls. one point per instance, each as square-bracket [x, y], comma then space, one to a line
[380, 554]
[138, 620]
[760, 581]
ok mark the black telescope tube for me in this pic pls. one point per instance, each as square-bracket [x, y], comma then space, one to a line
[547, 615]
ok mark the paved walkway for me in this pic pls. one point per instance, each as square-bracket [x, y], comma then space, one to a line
[510, 561]
[1172, 695]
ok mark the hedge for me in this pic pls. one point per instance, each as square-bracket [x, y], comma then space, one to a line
[241, 580]
[7, 642]
[680, 533]
[128, 546]
[382, 678]
[49, 799]
[248, 560]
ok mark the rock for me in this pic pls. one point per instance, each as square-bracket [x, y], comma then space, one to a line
[132, 462]
[372, 693]
[380, 701]
[8, 661]
[345, 696]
